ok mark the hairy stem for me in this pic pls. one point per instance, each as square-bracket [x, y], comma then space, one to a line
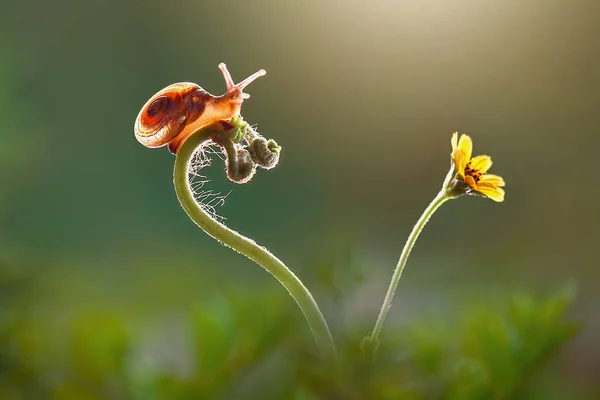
[246, 246]
[372, 342]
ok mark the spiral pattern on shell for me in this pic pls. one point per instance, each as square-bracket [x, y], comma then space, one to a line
[167, 113]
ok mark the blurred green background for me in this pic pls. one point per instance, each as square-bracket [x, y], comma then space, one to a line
[109, 291]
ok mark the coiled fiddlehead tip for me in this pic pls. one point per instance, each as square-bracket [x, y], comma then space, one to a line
[241, 168]
[264, 153]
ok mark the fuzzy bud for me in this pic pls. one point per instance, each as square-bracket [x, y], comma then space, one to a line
[240, 166]
[264, 153]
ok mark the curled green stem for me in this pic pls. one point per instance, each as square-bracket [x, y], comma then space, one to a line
[246, 246]
[371, 343]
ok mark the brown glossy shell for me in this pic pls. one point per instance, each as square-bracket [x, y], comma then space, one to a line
[165, 116]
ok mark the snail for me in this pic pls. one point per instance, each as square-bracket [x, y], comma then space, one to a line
[181, 109]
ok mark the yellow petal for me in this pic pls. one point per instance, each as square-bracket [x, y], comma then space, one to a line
[471, 182]
[492, 192]
[457, 155]
[459, 163]
[481, 163]
[465, 144]
[491, 180]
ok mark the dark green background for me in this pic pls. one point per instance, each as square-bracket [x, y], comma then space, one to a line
[363, 96]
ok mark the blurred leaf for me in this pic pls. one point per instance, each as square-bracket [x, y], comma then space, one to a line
[99, 342]
[255, 344]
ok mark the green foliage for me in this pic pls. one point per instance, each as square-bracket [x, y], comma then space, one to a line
[255, 345]
[494, 353]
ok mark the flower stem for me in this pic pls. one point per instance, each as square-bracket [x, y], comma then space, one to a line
[371, 343]
[246, 246]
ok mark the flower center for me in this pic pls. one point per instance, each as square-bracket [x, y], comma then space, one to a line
[474, 173]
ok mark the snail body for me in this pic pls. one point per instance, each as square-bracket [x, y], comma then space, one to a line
[181, 109]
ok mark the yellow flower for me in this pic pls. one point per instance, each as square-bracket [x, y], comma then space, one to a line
[473, 171]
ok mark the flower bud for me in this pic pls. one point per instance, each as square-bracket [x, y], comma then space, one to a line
[240, 166]
[264, 153]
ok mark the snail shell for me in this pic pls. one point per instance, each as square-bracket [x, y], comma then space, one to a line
[170, 115]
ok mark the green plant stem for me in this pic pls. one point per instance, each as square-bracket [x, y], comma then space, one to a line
[246, 246]
[373, 340]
